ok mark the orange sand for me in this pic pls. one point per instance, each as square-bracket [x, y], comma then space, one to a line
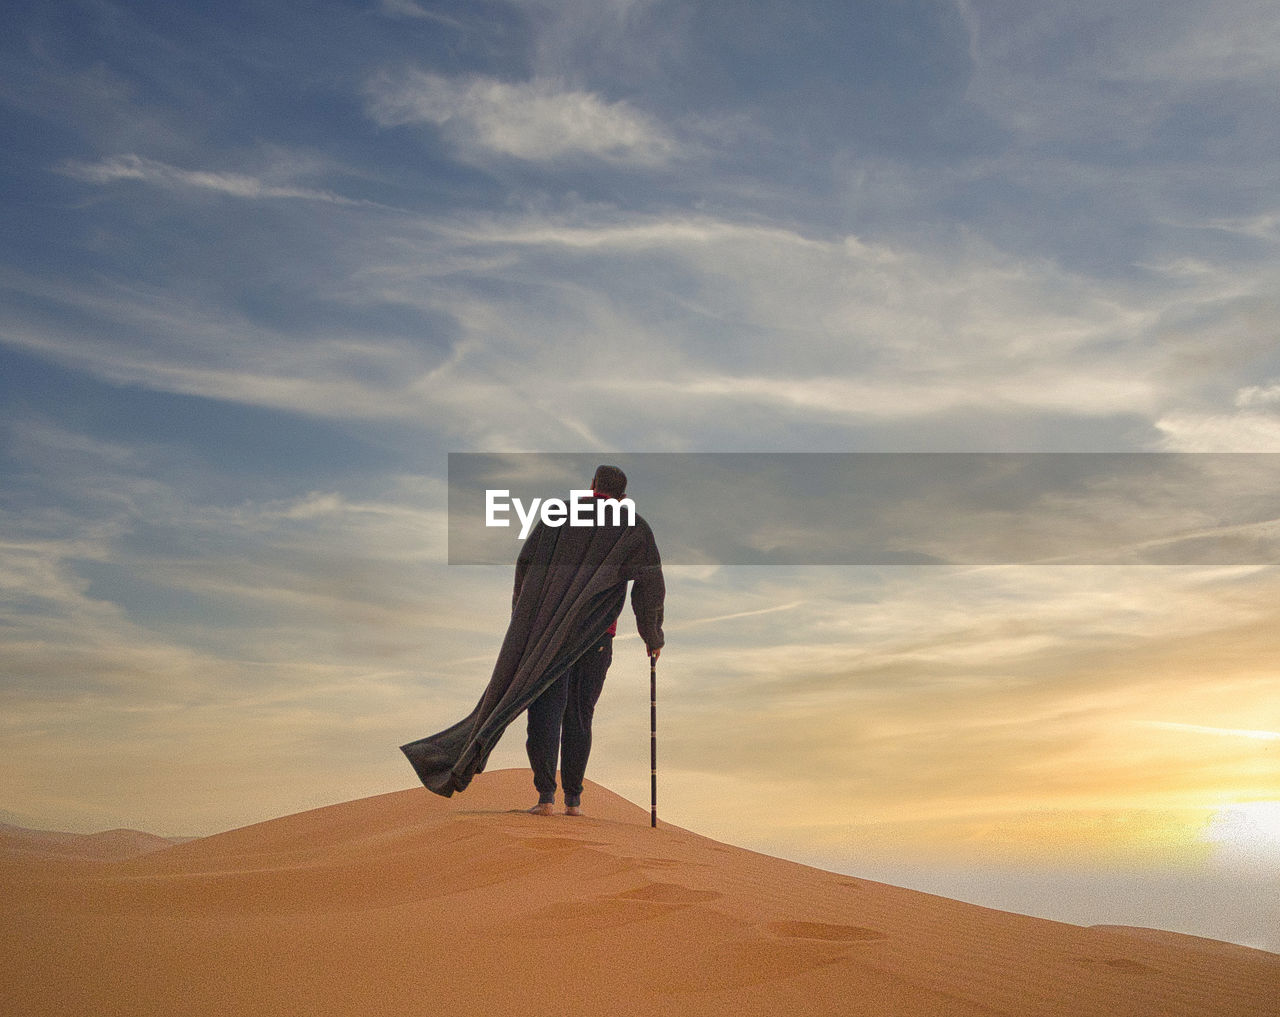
[409, 903]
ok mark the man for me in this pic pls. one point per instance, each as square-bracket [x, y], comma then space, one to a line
[571, 585]
[560, 718]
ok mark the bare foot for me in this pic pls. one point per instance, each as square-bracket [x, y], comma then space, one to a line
[572, 810]
[541, 809]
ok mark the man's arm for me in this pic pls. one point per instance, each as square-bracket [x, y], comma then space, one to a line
[648, 593]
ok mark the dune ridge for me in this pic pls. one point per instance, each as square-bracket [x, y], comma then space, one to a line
[109, 845]
[406, 902]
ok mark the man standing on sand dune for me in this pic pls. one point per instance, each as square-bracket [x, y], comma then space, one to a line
[560, 718]
[570, 587]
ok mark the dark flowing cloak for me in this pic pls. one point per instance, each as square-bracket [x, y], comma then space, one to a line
[571, 586]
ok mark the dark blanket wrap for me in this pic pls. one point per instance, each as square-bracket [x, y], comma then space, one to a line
[571, 585]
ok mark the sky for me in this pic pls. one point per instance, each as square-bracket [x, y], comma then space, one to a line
[264, 266]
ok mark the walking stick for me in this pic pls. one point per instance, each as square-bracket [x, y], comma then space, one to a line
[653, 739]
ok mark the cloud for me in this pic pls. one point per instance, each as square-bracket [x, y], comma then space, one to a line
[172, 341]
[965, 711]
[736, 318]
[735, 615]
[413, 10]
[1066, 70]
[156, 633]
[237, 185]
[1237, 40]
[872, 399]
[1226, 732]
[1258, 395]
[764, 314]
[1219, 432]
[536, 121]
[1263, 226]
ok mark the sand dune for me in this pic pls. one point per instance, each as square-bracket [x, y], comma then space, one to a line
[109, 845]
[409, 903]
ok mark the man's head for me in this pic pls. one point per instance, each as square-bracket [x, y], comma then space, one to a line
[609, 481]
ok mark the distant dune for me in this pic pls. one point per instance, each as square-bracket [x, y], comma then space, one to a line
[411, 904]
[108, 846]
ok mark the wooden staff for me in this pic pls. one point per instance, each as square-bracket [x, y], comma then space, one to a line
[653, 739]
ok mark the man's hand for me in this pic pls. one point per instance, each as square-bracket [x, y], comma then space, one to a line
[654, 653]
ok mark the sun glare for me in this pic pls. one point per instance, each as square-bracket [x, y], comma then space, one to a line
[1246, 831]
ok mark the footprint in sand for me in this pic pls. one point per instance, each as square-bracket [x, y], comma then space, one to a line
[668, 893]
[575, 916]
[558, 843]
[665, 863]
[823, 930]
[753, 961]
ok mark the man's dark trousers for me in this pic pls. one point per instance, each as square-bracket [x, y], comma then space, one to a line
[560, 725]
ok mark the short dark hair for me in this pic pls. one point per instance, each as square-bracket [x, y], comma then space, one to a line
[610, 481]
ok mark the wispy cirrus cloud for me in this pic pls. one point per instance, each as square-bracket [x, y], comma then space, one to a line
[1262, 226]
[415, 11]
[983, 692]
[116, 169]
[1148, 58]
[743, 316]
[114, 642]
[1225, 732]
[535, 121]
